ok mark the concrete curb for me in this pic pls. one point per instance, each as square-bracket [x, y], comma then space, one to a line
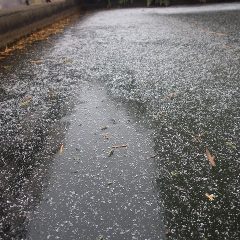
[21, 22]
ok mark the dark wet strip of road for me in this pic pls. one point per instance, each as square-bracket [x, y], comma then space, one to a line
[102, 182]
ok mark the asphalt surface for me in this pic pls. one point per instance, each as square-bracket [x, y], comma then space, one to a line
[106, 136]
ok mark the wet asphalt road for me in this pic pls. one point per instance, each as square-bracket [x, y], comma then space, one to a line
[164, 82]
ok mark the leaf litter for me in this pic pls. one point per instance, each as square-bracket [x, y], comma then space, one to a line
[231, 145]
[36, 61]
[26, 101]
[120, 146]
[61, 149]
[110, 153]
[211, 158]
[211, 197]
[40, 35]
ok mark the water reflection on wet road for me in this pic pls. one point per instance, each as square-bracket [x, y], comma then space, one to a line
[106, 137]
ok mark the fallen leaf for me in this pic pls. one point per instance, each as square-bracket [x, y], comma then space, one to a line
[67, 61]
[100, 237]
[106, 136]
[171, 96]
[212, 32]
[231, 145]
[211, 197]
[7, 50]
[198, 137]
[26, 101]
[51, 94]
[36, 61]
[110, 152]
[20, 47]
[120, 146]
[227, 46]
[61, 149]
[5, 54]
[7, 67]
[217, 33]
[211, 158]
[174, 173]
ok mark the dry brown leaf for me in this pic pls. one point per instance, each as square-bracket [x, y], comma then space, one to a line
[61, 149]
[227, 46]
[7, 50]
[20, 47]
[171, 96]
[231, 145]
[67, 61]
[36, 61]
[7, 67]
[26, 101]
[106, 136]
[198, 137]
[217, 33]
[5, 54]
[211, 158]
[212, 32]
[110, 152]
[211, 197]
[120, 146]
